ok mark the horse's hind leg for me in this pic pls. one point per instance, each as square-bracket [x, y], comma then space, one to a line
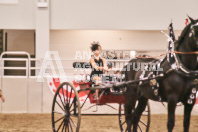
[172, 102]
[131, 98]
[187, 114]
[138, 112]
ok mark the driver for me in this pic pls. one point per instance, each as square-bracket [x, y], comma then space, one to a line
[98, 64]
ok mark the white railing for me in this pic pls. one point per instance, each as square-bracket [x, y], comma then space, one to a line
[38, 63]
[27, 62]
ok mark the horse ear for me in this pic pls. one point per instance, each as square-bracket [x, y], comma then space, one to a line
[192, 20]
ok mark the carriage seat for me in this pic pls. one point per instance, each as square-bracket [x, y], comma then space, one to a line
[88, 65]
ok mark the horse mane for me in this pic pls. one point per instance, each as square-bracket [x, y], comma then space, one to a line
[183, 34]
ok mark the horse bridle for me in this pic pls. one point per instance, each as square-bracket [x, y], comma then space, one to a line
[192, 33]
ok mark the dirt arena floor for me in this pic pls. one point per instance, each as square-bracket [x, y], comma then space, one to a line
[98, 123]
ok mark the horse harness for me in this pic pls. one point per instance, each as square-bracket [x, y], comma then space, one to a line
[174, 64]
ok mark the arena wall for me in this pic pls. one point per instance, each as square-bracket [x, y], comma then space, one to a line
[79, 40]
[101, 14]
[18, 16]
[120, 15]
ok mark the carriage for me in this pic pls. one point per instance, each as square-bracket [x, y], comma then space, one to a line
[177, 82]
[66, 107]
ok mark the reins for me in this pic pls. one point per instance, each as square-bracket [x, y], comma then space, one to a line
[189, 53]
[177, 52]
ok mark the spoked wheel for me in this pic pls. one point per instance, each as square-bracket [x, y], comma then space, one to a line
[144, 123]
[66, 112]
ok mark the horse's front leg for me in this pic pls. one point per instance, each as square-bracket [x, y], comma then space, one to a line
[138, 112]
[172, 102]
[131, 98]
[187, 115]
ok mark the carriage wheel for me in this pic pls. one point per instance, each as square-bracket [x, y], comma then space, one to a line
[66, 112]
[144, 123]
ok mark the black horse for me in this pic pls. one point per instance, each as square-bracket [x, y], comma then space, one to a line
[178, 84]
